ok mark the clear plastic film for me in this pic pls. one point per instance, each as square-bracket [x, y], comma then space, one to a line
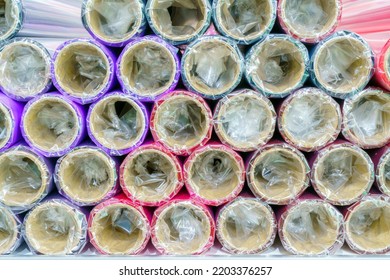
[309, 119]
[277, 65]
[383, 173]
[11, 18]
[10, 231]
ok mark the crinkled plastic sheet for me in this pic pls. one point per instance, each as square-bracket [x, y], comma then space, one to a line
[11, 18]
[383, 172]
[342, 174]
[245, 21]
[10, 231]
[311, 227]
[244, 120]
[367, 118]
[212, 66]
[309, 119]
[278, 173]
[114, 22]
[342, 64]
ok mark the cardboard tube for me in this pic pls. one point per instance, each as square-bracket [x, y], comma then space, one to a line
[10, 231]
[13, 19]
[10, 115]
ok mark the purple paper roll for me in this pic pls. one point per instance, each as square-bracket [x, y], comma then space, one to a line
[10, 115]
[10, 229]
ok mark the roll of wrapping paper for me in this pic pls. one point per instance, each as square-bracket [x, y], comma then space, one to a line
[12, 19]
[181, 121]
[151, 175]
[309, 21]
[52, 124]
[212, 66]
[244, 120]
[381, 159]
[245, 21]
[382, 67]
[10, 115]
[309, 119]
[25, 178]
[117, 123]
[83, 70]
[148, 68]
[277, 173]
[214, 174]
[87, 176]
[342, 64]
[277, 65]
[10, 229]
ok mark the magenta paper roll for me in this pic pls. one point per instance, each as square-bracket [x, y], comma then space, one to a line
[83, 70]
[117, 123]
[53, 125]
[10, 228]
[381, 159]
[10, 115]
[148, 68]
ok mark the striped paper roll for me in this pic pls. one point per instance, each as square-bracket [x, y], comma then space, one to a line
[10, 231]
[382, 161]
[13, 19]
[10, 115]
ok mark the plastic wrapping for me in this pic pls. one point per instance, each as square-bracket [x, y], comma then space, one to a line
[214, 174]
[309, 119]
[277, 65]
[179, 22]
[382, 67]
[366, 120]
[148, 68]
[10, 231]
[83, 70]
[87, 176]
[10, 115]
[11, 18]
[117, 123]
[246, 226]
[55, 227]
[309, 21]
[114, 23]
[383, 170]
[52, 124]
[245, 21]
[277, 173]
[151, 175]
[182, 122]
[342, 64]
[119, 227]
[212, 66]
[342, 173]
[244, 120]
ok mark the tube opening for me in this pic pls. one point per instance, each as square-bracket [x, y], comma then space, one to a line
[8, 231]
[9, 18]
[5, 126]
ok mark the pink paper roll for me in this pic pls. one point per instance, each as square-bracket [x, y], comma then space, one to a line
[381, 159]
[382, 67]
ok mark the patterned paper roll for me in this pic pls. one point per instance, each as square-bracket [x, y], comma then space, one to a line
[151, 175]
[244, 120]
[179, 22]
[382, 67]
[52, 124]
[366, 120]
[309, 119]
[12, 19]
[148, 68]
[10, 115]
[117, 123]
[244, 21]
[10, 231]
[309, 21]
[277, 173]
[87, 176]
[114, 23]
[342, 64]
[212, 66]
[277, 66]
[181, 121]
[119, 227]
[382, 160]
[83, 70]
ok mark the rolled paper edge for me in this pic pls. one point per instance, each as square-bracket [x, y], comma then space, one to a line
[20, 17]
[382, 75]
[18, 238]
[15, 110]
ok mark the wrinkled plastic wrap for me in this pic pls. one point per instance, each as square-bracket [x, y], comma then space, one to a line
[244, 120]
[112, 22]
[342, 64]
[117, 123]
[10, 231]
[382, 160]
[148, 68]
[179, 22]
[366, 120]
[309, 21]
[277, 173]
[10, 115]
[119, 227]
[246, 226]
[11, 18]
[214, 174]
[382, 67]
[309, 119]
[342, 173]
[87, 176]
[212, 66]
[56, 227]
[277, 66]
[24, 69]
[151, 175]
[52, 124]
[83, 70]
[182, 122]
[245, 21]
